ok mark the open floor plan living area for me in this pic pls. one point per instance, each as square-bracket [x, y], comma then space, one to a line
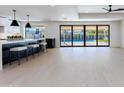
[61, 45]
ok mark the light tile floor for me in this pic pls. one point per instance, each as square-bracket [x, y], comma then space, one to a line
[81, 66]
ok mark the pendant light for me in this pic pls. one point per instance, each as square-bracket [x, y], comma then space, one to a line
[14, 22]
[28, 24]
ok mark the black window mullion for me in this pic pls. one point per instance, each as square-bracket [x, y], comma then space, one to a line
[84, 35]
[96, 35]
[60, 35]
[109, 35]
[72, 35]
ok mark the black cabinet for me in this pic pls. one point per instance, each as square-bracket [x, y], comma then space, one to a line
[50, 42]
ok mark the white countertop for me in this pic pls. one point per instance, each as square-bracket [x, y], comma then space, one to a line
[17, 41]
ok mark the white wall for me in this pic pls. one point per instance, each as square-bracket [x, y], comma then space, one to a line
[115, 34]
[8, 30]
[122, 33]
[53, 31]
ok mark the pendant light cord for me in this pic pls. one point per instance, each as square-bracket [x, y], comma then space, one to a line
[28, 17]
[14, 13]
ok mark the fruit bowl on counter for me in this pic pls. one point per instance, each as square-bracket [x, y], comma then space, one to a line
[15, 37]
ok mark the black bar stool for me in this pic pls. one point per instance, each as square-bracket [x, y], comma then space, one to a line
[33, 46]
[18, 50]
[44, 46]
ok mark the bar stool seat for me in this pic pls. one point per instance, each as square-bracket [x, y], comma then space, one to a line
[43, 43]
[34, 45]
[19, 49]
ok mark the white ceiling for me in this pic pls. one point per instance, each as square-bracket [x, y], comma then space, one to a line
[96, 8]
[59, 13]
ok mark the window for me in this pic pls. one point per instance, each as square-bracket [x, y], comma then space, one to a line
[34, 32]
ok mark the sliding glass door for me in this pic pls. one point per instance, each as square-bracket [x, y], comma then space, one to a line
[66, 35]
[103, 35]
[78, 35]
[84, 35]
[90, 35]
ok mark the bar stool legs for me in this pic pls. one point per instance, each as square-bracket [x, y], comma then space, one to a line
[43, 45]
[18, 58]
[33, 48]
[33, 52]
[10, 63]
[38, 49]
[44, 48]
[11, 58]
[27, 55]
[18, 50]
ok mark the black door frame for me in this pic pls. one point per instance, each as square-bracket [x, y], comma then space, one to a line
[85, 36]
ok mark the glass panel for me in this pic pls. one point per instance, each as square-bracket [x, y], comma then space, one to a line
[90, 36]
[78, 35]
[103, 35]
[66, 36]
[32, 33]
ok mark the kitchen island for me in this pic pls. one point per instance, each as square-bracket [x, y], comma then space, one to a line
[6, 45]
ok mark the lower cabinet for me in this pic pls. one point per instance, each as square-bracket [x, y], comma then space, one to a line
[50, 42]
